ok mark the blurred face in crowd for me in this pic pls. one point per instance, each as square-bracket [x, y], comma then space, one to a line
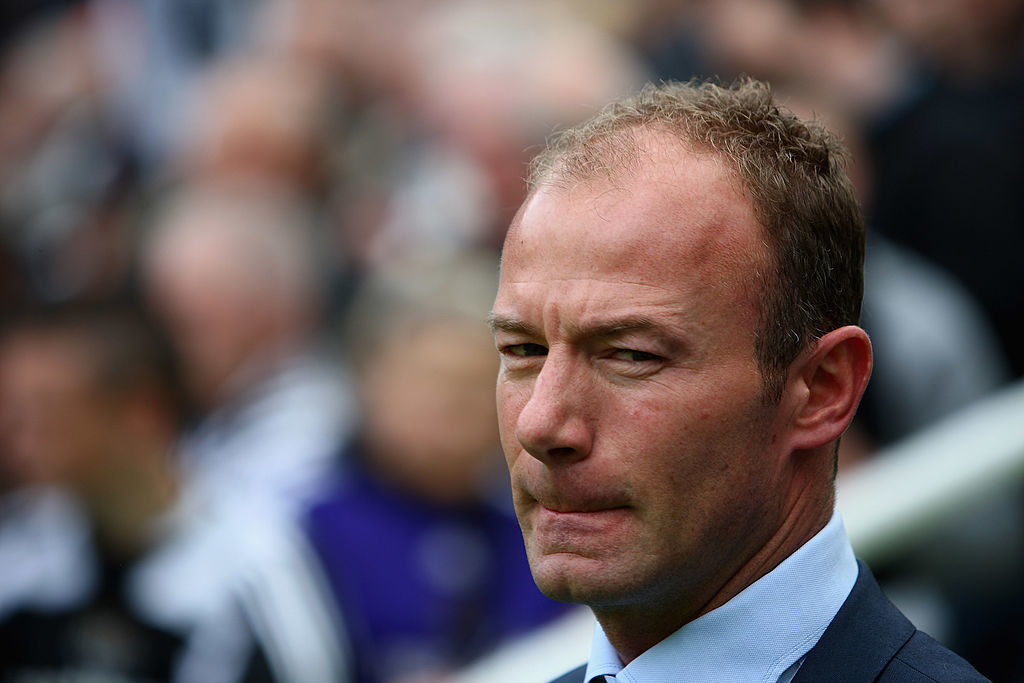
[430, 418]
[643, 460]
[206, 296]
[53, 423]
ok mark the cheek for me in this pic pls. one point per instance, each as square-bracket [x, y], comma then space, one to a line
[682, 446]
[510, 402]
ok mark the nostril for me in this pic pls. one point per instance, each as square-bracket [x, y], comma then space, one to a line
[557, 455]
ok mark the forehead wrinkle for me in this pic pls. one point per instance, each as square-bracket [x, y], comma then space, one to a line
[529, 280]
[515, 295]
[613, 327]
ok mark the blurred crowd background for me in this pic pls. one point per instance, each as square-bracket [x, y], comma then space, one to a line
[246, 250]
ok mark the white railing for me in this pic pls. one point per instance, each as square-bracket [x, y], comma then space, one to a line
[907, 489]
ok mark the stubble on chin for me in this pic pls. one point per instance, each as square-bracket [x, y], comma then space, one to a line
[574, 577]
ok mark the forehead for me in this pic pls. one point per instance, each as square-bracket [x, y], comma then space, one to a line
[680, 221]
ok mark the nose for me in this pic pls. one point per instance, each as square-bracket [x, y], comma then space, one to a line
[553, 425]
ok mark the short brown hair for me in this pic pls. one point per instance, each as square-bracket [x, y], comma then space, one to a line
[793, 171]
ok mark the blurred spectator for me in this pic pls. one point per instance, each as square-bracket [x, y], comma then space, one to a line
[150, 53]
[64, 175]
[88, 404]
[963, 39]
[106, 575]
[948, 162]
[418, 538]
[935, 352]
[233, 272]
[257, 118]
[493, 79]
[437, 165]
[841, 49]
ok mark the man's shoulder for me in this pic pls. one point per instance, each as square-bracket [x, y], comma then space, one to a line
[924, 659]
[870, 639]
[574, 676]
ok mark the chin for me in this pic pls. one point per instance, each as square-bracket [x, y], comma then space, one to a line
[572, 578]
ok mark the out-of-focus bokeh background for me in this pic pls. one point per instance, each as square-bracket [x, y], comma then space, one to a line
[246, 250]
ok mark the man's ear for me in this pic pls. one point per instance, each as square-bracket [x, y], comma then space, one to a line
[832, 376]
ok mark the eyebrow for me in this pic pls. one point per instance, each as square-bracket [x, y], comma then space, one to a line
[610, 328]
[512, 325]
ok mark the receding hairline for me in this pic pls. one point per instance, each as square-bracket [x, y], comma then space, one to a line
[703, 111]
[622, 153]
[648, 145]
[634, 148]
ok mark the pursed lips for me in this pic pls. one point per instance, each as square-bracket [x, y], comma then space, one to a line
[569, 496]
[571, 518]
[566, 500]
[565, 527]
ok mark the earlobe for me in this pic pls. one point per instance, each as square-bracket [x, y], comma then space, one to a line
[834, 374]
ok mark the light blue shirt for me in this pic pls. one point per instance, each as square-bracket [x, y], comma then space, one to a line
[762, 634]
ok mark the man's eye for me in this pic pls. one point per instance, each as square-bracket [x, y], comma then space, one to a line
[633, 356]
[525, 350]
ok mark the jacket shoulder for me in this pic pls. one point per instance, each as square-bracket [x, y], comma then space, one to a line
[923, 659]
[871, 640]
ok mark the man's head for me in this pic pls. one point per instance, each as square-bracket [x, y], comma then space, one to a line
[668, 417]
[424, 371]
[231, 270]
[83, 389]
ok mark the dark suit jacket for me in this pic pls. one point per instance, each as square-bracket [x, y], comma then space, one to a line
[870, 640]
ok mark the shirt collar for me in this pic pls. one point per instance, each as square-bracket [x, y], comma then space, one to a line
[761, 632]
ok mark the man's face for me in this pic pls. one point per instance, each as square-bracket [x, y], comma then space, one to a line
[645, 467]
[206, 299]
[428, 414]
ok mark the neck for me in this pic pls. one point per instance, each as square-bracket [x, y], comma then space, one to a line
[633, 629]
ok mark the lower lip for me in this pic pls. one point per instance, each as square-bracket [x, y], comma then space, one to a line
[587, 534]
